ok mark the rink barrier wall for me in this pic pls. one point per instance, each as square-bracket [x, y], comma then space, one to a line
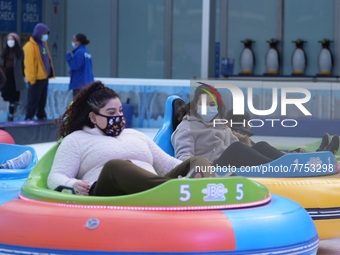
[148, 96]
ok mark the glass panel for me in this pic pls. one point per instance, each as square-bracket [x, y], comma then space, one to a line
[141, 39]
[312, 21]
[255, 20]
[94, 21]
[186, 49]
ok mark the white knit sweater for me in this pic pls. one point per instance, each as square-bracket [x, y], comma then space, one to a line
[83, 153]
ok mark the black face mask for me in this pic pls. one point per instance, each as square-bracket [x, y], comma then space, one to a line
[114, 126]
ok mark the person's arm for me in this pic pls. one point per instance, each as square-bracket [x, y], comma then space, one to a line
[182, 140]
[2, 77]
[162, 162]
[22, 62]
[65, 165]
[30, 63]
[76, 61]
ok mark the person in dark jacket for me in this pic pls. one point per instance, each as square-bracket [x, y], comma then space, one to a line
[3, 78]
[13, 61]
[80, 63]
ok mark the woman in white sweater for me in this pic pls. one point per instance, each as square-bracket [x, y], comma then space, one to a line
[98, 156]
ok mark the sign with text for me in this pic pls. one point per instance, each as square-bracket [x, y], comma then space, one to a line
[31, 15]
[8, 15]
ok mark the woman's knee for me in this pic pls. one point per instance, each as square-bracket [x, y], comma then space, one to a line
[113, 166]
[261, 143]
[116, 162]
[236, 146]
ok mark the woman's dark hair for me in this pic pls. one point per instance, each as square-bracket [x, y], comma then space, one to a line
[89, 99]
[191, 109]
[18, 51]
[82, 39]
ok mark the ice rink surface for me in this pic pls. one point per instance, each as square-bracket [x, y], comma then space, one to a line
[327, 247]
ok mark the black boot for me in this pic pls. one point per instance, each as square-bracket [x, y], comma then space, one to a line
[11, 112]
[324, 142]
[334, 144]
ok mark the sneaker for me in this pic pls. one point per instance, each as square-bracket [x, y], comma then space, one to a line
[20, 162]
[193, 174]
[324, 142]
[334, 144]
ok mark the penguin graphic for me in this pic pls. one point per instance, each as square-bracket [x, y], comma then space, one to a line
[325, 59]
[299, 59]
[272, 58]
[247, 58]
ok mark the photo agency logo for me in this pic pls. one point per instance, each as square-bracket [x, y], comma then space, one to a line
[239, 102]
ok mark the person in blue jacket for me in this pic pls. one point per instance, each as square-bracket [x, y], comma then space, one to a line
[80, 63]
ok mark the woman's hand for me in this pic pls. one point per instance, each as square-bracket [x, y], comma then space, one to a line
[82, 187]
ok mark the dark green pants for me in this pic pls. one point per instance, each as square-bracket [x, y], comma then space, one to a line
[121, 177]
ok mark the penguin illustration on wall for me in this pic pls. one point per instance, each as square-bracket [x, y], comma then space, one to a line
[272, 58]
[247, 58]
[299, 59]
[325, 59]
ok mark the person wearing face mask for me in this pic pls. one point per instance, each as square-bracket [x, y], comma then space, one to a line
[13, 61]
[196, 134]
[99, 156]
[80, 63]
[38, 69]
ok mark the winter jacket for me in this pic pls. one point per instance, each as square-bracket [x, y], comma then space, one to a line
[18, 67]
[195, 137]
[80, 67]
[18, 73]
[34, 66]
[3, 78]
